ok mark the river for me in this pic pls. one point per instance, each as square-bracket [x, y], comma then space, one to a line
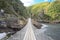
[52, 30]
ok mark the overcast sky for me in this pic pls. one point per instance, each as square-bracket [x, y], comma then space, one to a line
[31, 2]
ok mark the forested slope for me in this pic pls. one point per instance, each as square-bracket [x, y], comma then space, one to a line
[46, 11]
[15, 7]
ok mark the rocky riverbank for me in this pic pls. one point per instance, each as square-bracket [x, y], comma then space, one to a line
[12, 25]
[50, 22]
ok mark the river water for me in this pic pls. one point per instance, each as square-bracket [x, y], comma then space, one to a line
[52, 30]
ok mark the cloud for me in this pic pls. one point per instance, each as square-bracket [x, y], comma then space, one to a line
[27, 2]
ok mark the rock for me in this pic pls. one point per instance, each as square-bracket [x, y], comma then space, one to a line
[3, 23]
[11, 25]
[36, 24]
[5, 29]
[15, 23]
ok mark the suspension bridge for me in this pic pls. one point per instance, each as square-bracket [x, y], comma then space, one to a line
[29, 32]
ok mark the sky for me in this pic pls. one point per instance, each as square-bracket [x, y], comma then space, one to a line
[31, 2]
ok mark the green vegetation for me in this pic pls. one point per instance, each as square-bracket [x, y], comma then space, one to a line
[14, 12]
[47, 11]
[53, 10]
[13, 8]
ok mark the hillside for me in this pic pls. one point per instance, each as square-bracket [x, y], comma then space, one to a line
[46, 11]
[36, 9]
[12, 15]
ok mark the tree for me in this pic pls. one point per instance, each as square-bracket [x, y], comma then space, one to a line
[53, 10]
[14, 7]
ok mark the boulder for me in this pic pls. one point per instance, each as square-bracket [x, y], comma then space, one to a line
[36, 24]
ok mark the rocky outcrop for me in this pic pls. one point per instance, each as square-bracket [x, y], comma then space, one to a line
[11, 25]
[36, 24]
